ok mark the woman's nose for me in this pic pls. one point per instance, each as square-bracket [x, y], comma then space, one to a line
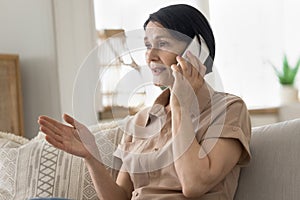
[152, 55]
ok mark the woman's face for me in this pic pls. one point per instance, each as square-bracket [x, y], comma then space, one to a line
[162, 49]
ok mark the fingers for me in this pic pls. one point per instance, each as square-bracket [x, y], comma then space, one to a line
[198, 67]
[193, 72]
[177, 72]
[192, 66]
[51, 121]
[196, 64]
[70, 120]
[49, 125]
[55, 129]
[54, 142]
[184, 66]
[50, 130]
[53, 138]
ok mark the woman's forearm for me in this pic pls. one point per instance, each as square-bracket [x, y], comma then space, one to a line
[106, 187]
[191, 170]
[183, 132]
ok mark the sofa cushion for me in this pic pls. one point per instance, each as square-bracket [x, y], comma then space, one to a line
[273, 172]
[36, 169]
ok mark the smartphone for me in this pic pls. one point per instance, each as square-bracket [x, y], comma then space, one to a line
[200, 51]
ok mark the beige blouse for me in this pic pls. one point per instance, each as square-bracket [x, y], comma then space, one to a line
[146, 147]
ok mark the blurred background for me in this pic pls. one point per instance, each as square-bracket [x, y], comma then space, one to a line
[54, 38]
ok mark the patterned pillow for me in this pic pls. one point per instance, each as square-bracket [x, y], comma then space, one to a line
[36, 169]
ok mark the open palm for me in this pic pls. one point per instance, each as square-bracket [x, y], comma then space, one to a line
[75, 138]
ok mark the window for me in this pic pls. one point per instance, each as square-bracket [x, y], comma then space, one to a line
[125, 81]
[249, 34]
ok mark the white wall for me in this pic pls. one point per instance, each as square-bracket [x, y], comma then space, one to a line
[27, 30]
[52, 38]
[131, 14]
[248, 36]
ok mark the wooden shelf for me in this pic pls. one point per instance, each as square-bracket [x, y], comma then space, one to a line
[270, 110]
[11, 109]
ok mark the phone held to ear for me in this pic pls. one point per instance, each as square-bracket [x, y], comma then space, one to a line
[194, 47]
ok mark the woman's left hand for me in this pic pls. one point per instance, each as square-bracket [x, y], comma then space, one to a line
[188, 79]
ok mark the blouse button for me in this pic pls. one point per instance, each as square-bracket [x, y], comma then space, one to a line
[155, 149]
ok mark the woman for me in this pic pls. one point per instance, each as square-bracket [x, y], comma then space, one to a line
[190, 144]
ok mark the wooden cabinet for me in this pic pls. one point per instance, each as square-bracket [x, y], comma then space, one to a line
[11, 109]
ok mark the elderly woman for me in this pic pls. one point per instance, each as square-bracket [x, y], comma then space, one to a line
[191, 143]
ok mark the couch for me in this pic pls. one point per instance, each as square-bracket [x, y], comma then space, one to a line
[30, 168]
[274, 171]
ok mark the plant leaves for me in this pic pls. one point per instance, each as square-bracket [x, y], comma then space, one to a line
[286, 67]
[278, 73]
[295, 70]
[288, 74]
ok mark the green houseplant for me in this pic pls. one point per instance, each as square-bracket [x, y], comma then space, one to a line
[286, 77]
[288, 73]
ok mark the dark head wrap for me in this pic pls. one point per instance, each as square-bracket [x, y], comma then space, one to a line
[189, 21]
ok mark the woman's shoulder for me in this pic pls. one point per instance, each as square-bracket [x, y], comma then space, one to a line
[229, 99]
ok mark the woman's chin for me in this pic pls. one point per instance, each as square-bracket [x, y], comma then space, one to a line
[162, 82]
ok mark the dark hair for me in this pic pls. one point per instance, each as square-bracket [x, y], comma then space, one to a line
[189, 21]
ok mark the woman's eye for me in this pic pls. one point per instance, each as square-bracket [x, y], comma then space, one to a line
[162, 44]
[158, 45]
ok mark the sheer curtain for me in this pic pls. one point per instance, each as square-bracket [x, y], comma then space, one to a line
[249, 35]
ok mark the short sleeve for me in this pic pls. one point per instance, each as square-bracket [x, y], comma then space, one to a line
[233, 124]
[123, 146]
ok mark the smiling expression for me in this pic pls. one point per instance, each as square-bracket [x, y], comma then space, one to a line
[162, 49]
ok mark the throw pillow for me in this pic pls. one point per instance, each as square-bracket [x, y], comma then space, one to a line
[36, 169]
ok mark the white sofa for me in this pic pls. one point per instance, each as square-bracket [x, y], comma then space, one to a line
[34, 168]
[274, 171]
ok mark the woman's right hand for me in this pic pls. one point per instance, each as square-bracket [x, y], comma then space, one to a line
[75, 139]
